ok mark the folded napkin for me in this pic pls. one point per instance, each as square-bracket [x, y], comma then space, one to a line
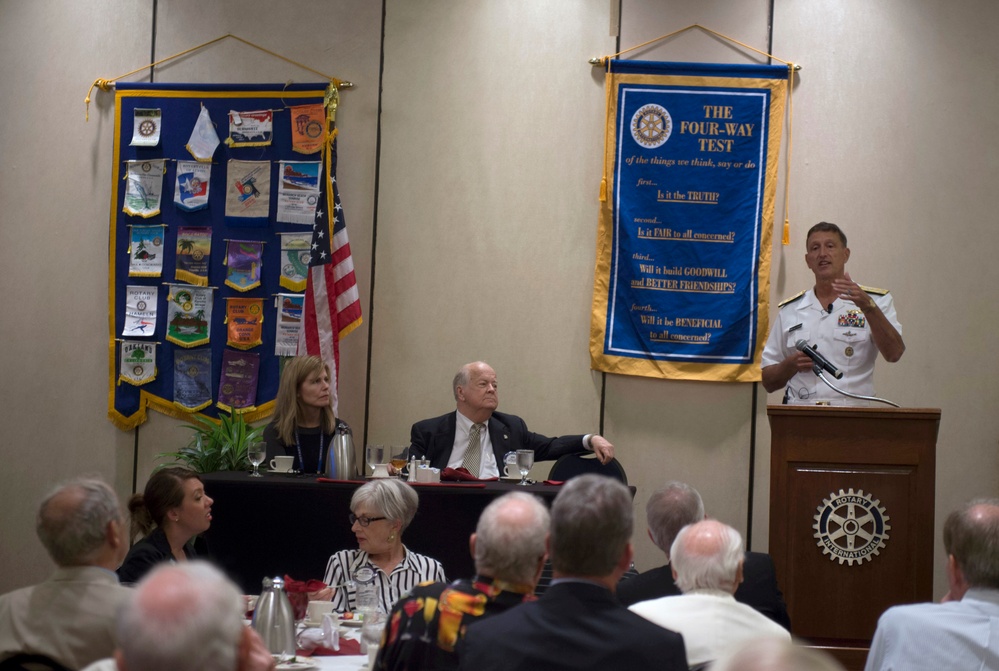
[347, 647]
[460, 473]
[344, 482]
[478, 484]
[554, 482]
[298, 593]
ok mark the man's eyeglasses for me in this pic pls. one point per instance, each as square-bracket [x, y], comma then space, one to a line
[362, 520]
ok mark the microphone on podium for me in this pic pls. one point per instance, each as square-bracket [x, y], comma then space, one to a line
[819, 360]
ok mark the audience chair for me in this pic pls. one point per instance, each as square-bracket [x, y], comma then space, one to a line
[570, 465]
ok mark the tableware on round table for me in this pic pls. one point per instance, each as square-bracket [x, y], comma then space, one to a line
[374, 455]
[525, 459]
[282, 463]
[315, 611]
[297, 665]
[256, 453]
[371, 632]
[274, 619]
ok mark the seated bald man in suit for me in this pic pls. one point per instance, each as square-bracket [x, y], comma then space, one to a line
[445, 440]
[669, 509]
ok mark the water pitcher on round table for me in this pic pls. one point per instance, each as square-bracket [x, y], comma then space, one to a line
[274, 619]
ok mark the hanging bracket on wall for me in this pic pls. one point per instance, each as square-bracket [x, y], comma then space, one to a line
[108, 84]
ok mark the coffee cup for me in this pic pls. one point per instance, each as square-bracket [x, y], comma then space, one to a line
[381, 471]
[282, 464]
[317, 609]
[510, 468]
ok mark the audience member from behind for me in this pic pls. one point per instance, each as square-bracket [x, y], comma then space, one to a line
[772, 654]
[669, 509]
[509, 549]
[70, 617]
[303, 423]
[380, 511]
[171, 512]
[186, 617]
[707, 565]
[959, 633]
[577, 623]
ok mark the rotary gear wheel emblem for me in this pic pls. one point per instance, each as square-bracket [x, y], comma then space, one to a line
[651, 126]
[851, 527]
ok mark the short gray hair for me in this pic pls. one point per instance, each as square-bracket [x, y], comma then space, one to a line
[182, 617]
[712, 567]
[971, 535]
[510, 537]
[591, 526]
[392, 498]
[73, 520]
[670, 508]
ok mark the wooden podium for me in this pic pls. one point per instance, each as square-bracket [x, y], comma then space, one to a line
[851, 517]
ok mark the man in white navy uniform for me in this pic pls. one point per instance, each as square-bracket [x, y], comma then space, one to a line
[844, 322]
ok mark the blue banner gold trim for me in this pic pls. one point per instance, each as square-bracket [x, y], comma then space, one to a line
[682, 274]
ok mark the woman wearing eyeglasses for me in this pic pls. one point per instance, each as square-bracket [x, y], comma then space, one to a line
[380, 511]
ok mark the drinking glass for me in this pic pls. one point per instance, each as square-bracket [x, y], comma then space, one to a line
[400, 458]
[256, 454]
[525, 459]
[374, 455]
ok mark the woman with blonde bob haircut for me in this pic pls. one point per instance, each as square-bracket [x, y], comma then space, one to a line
[303, 423]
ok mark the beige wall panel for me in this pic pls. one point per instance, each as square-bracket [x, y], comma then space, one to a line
[698, 432]
[339, 39]
[894, 131]
[53, 251]
[489, 172]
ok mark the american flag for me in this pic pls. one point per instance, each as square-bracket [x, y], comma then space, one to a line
[332, 304]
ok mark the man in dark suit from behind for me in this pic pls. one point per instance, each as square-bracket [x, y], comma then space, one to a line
[577, 624]
[672, 507]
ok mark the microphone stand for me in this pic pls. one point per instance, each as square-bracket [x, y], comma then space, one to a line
[817, 369]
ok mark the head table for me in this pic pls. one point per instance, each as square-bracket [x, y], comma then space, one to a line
[290, 524]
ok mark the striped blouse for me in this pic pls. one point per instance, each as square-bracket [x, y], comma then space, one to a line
[411, 571]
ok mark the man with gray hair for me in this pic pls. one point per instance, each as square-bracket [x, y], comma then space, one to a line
[476, 437]
[707, 565]
[577, 623]
[669, 509]
[70, 617]
[509, 549]
[185, 617]
[959, 633]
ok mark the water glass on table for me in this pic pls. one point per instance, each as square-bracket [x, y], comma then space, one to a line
[256, 454]
[525, 460]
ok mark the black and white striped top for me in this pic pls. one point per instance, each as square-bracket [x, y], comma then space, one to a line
[411, 571]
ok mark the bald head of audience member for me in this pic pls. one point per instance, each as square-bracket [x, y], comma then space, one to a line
[771, 654]
[707, 555]
[670, 508]
[591, 530]
[80, 524]
[183, 617]
[509, 540]
[971, 539]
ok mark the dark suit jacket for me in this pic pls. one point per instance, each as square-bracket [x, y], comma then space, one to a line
[433, 439]
[758, 589]
[575, 626]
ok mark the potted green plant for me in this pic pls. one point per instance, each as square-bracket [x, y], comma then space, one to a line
[217, 445]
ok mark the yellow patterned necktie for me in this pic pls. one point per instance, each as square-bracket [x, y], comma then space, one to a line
[473, 453]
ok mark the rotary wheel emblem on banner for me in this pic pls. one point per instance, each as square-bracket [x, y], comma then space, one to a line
[851, 527]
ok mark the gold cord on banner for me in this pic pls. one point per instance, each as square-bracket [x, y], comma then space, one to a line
[604, 61]
[107, 84]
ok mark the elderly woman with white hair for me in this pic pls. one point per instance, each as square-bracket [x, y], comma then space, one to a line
[380, 511]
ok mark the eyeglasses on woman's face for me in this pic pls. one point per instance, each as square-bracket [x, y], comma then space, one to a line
[363, 520]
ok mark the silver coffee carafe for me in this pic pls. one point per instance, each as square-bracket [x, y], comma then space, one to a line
[340, 460]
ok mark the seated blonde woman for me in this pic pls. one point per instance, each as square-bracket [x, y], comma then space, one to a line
[380, 511]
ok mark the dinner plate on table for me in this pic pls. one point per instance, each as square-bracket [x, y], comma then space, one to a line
[298, 665]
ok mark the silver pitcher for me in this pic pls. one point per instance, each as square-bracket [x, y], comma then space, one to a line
[340, 460]
[274, 619]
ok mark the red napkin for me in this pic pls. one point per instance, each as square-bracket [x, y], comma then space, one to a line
[478, 484]
[346, 482]
[298, 594]
[554, 482]
[347, 647]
